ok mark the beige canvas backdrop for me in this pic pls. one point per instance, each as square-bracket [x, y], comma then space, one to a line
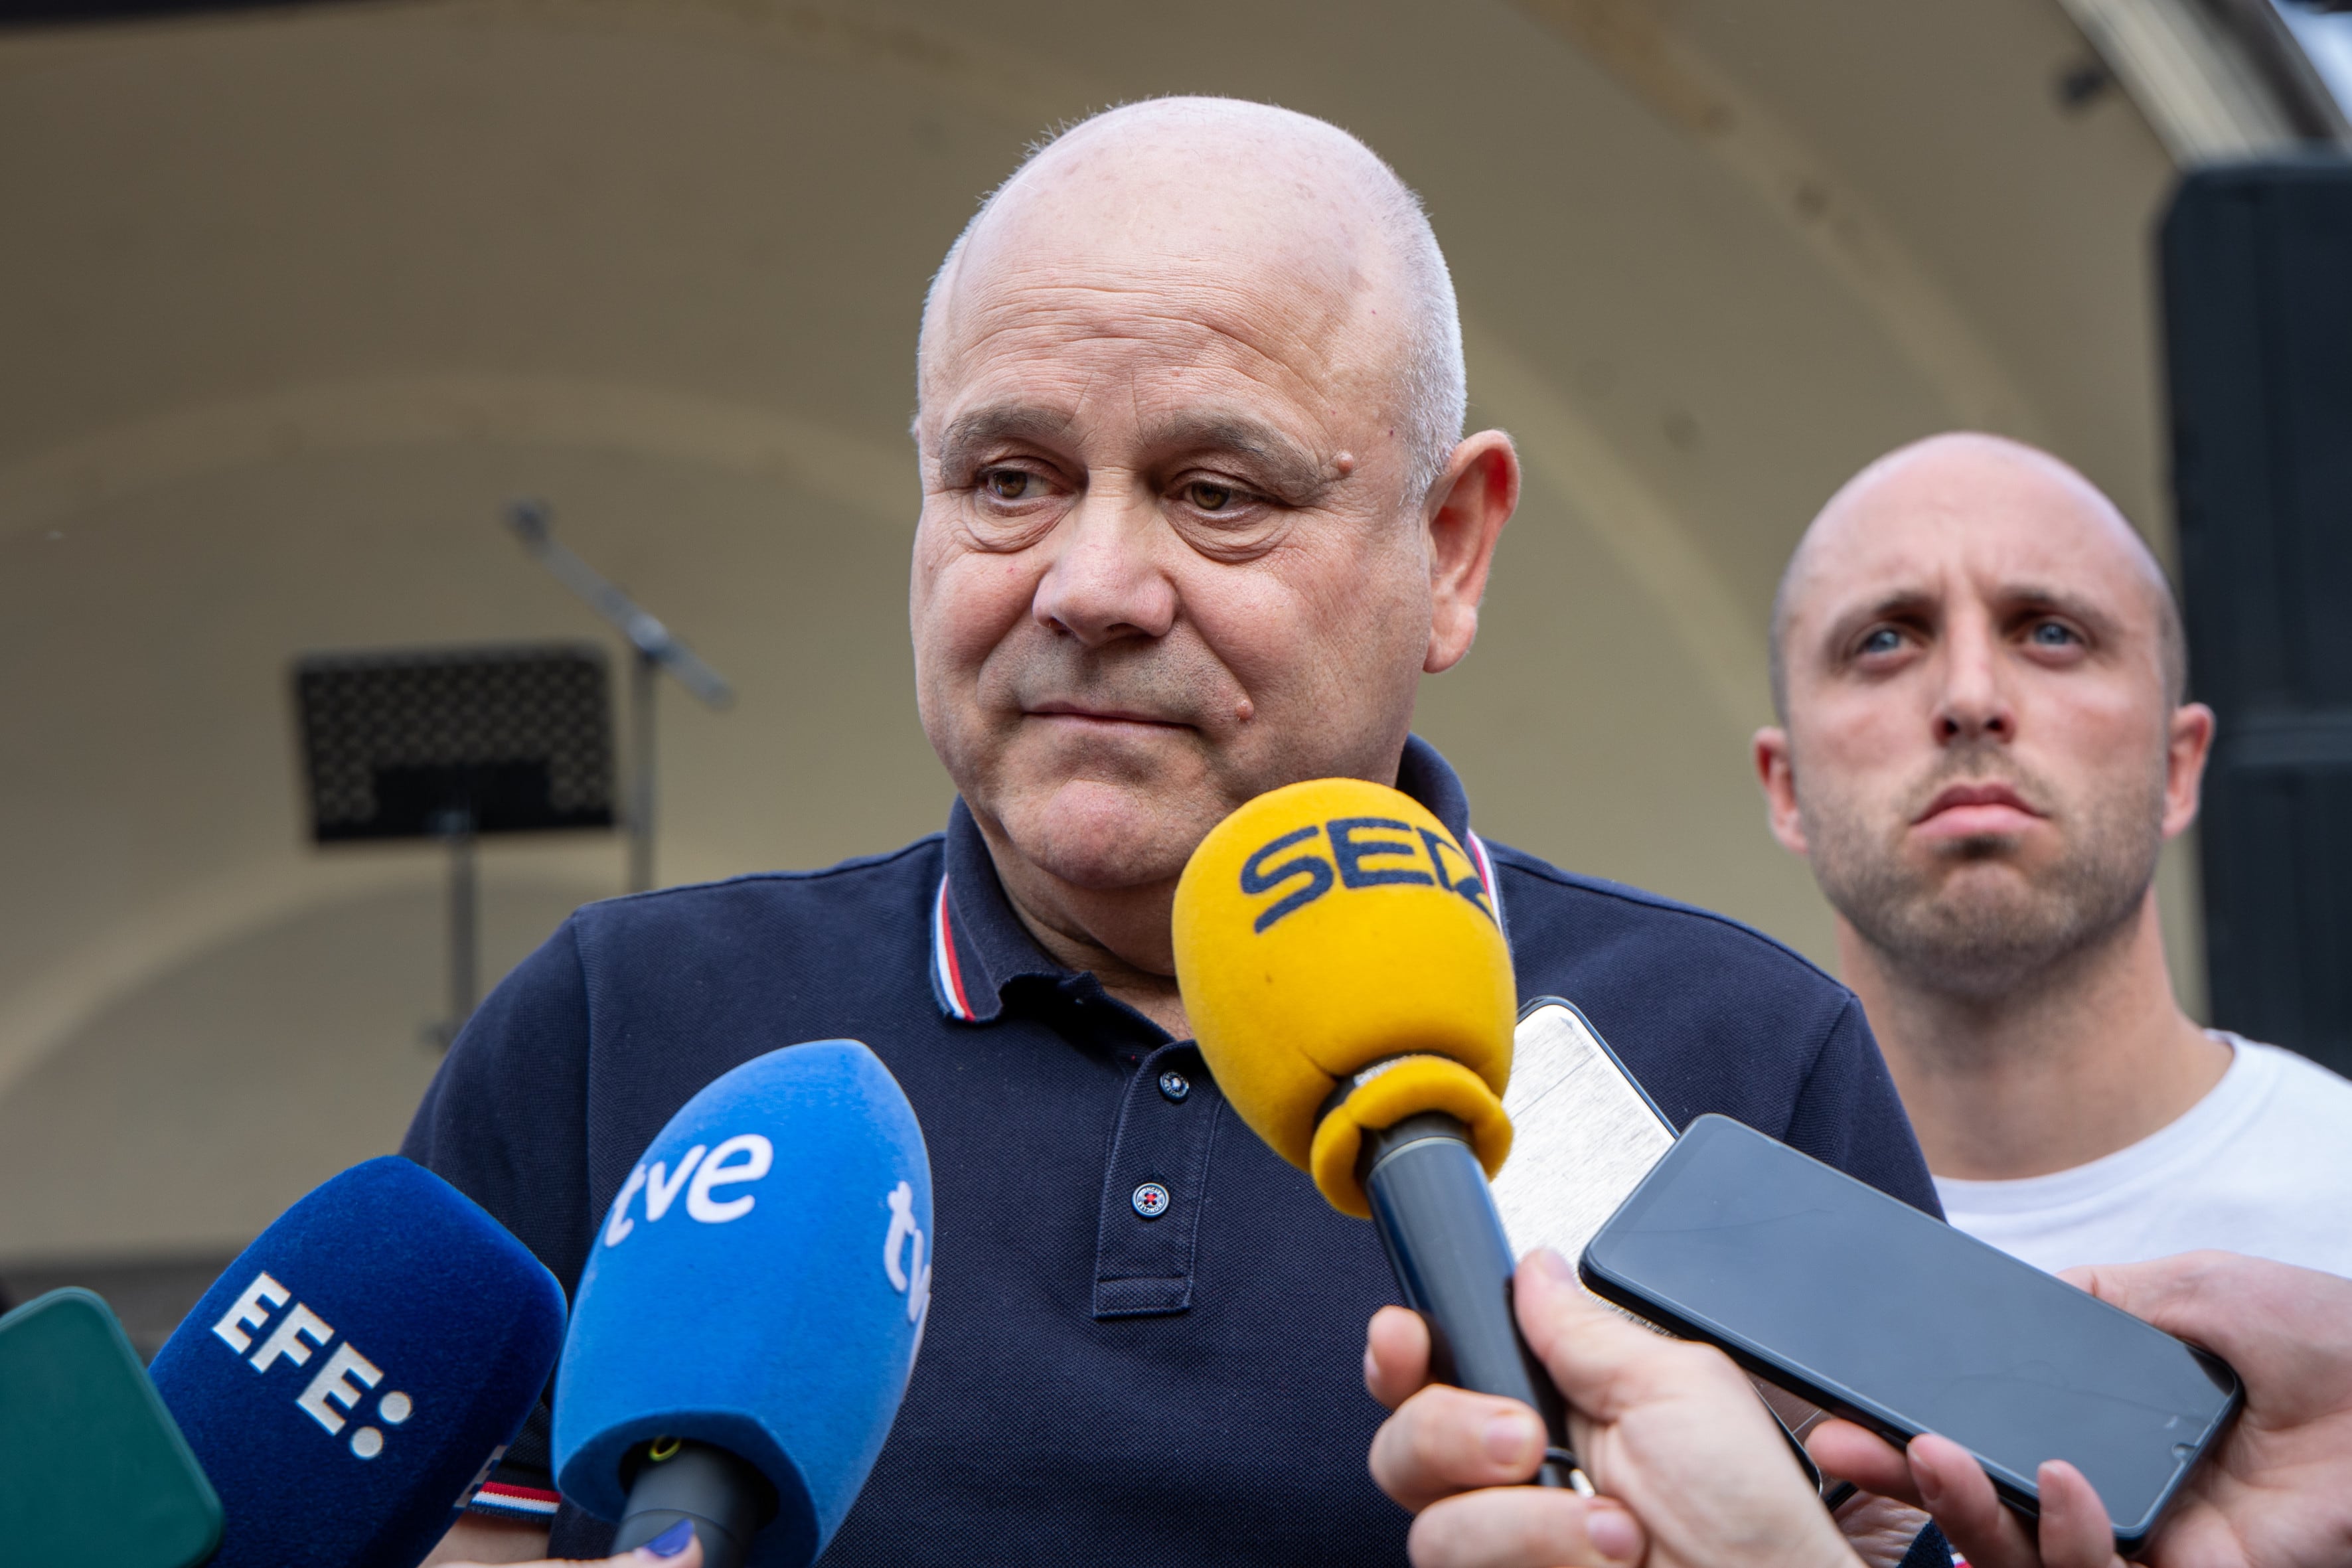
[295, 301]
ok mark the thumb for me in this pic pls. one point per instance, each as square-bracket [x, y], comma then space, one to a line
[2287, 1331]
[2166, 1291]
[1585, 1347]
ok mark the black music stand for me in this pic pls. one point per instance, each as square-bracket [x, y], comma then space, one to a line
[452, 744]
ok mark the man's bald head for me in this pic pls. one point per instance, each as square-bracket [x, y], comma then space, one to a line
[1954, 475]
[1180, 193]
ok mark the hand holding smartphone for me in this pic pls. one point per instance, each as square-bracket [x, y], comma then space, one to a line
[1852, 1299]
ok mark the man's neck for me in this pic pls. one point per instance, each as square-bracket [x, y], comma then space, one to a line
[1152, 995]
[2054, 1074]
[1121, 936]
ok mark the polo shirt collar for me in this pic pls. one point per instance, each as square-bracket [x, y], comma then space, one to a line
[979, 946]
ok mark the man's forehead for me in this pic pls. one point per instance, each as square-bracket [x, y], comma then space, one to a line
[1078, 342]
[1104, 301]
[1127, 289]
[2002, 530]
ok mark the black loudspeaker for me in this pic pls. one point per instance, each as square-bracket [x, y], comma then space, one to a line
[2257, 263]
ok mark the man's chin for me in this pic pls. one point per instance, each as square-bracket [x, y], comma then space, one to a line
[1977, 902]
[1991, 942]
[1106, 837]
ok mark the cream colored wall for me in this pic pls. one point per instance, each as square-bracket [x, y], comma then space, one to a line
[295, 301]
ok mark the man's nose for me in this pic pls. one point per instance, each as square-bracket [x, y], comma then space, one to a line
[1106, 582]
[1974, 704]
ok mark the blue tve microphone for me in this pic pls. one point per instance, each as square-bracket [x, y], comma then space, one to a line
[349, 1381]
[750, 1313]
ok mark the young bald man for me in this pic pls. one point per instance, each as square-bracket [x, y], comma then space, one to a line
[1198, 515]
[1985, 741]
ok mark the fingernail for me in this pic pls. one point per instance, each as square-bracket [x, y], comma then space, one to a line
[1513, 1439]
[1613, 1534]
[1550, 1265]
[1930, 1485]
[671, 1541]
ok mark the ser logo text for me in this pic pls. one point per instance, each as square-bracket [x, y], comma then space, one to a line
[1363, 852]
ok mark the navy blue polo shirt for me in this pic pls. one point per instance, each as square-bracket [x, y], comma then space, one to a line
[1094, 1385]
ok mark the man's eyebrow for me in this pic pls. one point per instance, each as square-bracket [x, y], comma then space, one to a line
[971, 434]
[1270, 457]
[1276, 460]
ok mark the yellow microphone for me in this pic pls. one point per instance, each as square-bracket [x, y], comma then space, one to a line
[1349, 985]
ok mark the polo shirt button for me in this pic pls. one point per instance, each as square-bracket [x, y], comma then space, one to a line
[1173, 1086]
[1150, 1200]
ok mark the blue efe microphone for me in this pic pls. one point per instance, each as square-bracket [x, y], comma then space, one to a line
[750, 1313]
[347, 1384]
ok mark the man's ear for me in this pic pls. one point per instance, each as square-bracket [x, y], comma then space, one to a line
[2188, 743]
[1776, 773]
[1469, 505]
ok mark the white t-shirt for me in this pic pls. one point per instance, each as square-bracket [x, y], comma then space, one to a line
[2262, 1164]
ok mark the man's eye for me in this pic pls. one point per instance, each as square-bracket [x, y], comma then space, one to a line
[1882, 639]
[1209, 496]
[1012, 484]
[2053, 634]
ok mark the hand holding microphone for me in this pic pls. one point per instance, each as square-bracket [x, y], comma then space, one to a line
[1340, 962]
[1696, 1473]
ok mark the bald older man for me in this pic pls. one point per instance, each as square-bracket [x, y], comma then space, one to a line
[1985, 742]
[1198, 515]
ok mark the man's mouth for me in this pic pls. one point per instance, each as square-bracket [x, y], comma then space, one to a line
[1093, 713]
[1976, 810]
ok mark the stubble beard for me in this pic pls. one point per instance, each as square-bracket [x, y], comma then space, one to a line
[1999, 939]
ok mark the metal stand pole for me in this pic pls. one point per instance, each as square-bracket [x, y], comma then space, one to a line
[465, 923]
[643, 670]
[655, 651]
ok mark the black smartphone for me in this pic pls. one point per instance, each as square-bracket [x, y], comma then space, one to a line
[1868, 1308]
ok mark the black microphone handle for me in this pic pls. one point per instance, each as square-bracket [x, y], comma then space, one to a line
[726, 1497]
[1437, 1221]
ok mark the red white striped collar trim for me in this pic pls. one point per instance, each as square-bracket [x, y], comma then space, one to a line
[946, 971]
[509, 1501]
[1486, 875]
[946, 968]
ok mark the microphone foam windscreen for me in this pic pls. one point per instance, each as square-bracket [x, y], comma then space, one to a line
[348, 1382]
[1334, 928]
[760, 1284]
